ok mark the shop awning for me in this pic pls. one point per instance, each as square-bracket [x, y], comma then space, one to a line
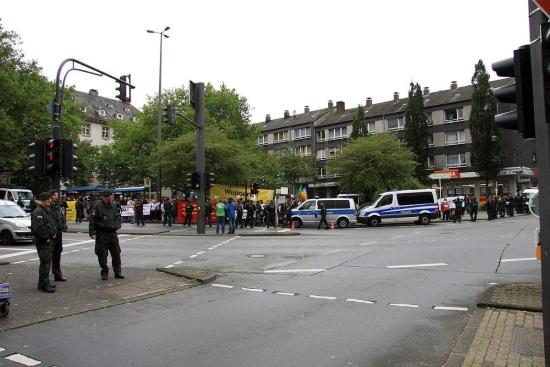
[86, 188]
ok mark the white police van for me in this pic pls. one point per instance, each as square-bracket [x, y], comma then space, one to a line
[340, 211]
[15, 224]
[396, 206]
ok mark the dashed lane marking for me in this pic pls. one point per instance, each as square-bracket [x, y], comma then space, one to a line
[403, 305]
[446, 308]
[359, 301]
[286, 293]
[519, 259]
[332, 252]
[22, 359]
[202, 252]
[414, 265]
[294, 271]
[253, 289]
[321, 297]
[223, 286]
[368, 243]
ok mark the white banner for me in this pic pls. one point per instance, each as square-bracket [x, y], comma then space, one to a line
[128, 210]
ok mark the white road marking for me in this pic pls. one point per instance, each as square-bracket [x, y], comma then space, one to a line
[10, 248]
[222, 286]
[396, 237]
[19, 262]
[321, 297]
[26, 252]
[286, 293]
[450, 308]
[332, 252]
[253, 289]
[403, 305]
[21, 359]
[178, 262]
[2, 349]
[359, 301]
[519, 259]
[36, 258]
[414, 266]
[168, 266]
[295, 271]
[193, 256]
[368, 243]
[200, 253]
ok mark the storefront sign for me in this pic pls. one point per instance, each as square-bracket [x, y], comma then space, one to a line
[454, 173]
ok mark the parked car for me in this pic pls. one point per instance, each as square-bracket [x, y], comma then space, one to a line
[15, 224]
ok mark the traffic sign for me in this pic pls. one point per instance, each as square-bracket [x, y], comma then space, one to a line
[544, 5]
[440, 175]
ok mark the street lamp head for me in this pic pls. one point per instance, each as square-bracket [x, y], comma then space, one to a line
[150, 31]
[166, 36]
[167, 28]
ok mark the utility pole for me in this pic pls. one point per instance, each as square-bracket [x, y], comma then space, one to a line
[196, 98]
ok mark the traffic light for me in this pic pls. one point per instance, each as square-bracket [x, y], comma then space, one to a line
[168, 115]
[192, 96]
[196, 180]
[518, 186]
[69, 157]
[252, 188]
[256, 187]
[520, 93]
[37, 157]
[545, 51]
[52, 156]
[122, 89]
[208, 179]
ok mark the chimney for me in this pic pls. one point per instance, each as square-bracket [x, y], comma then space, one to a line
[454, 86]
[369, 103]
[396, 96]
[127, 103]
[340, 107]
[267, 118]
[426, 91]
[287, 114]
[306, 109]
[93, 92]
[330, 105]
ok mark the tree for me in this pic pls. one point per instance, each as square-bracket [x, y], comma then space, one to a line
[293, 167]
[416, 131]
[486, 153]
[358, 126]
[375, 164]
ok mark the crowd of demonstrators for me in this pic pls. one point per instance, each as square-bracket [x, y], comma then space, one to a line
[501, 206]
[496, 206]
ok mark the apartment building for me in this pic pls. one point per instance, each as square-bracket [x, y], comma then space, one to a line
[324, 132]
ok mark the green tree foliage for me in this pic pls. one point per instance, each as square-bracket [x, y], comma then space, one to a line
[358, 126]
[375, 164]
[292, 167]
[486, 153]
[24, 94]
[416, 131]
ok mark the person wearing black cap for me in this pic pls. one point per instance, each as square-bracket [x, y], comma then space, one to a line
[104, 222]
[43, 229]
[58, 214]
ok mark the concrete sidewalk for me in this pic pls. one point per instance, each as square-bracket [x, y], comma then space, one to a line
[505, 329]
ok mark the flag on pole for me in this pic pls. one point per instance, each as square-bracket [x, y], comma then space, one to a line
[303, 194]
[299, 191]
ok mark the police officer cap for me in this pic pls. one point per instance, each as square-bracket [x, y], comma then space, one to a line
[107, 193]
[44, 196]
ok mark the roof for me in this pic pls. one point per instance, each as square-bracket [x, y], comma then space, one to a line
[112, 107]
[131, 189]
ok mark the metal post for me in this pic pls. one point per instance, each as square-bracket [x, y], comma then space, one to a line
[199, 121]
[159, 125]
[542, 130]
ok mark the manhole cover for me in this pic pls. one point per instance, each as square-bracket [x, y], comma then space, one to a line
[194, 259]
[256, 256]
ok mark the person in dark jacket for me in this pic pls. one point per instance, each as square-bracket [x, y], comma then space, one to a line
[43, 229]
[271, 210]
[323, 216]
[188, 212]
[104, 222]
[79, 208]
[208, 211]
[473, 209]
[166, 208]
[58, 212]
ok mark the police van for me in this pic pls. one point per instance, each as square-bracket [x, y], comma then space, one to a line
[397, 206]
[340, 211]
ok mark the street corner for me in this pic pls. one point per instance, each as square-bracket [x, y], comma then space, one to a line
[515, 296]
[202, 276]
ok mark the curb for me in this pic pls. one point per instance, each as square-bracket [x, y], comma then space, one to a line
[201, 276]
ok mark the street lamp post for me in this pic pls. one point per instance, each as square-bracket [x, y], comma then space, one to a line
[159, 118]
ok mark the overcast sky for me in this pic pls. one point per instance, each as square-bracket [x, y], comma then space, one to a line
[280, 55]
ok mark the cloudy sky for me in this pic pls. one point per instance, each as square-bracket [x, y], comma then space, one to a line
[280, 55]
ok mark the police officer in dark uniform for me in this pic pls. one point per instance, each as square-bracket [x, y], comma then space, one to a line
[79, 207]
[270, 210]
[58, 214]
[458, 210]
[167, 210]
[323, 216]
[188, 212]
[104, 222]
[208, 211]
[44, 230]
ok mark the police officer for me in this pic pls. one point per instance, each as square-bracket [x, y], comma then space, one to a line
[43, 229]
[104, 222]
[270, 209]
[458, 210]
[188, 212]
[473, 209]
[79, 207]
[323, 216]
[166, 208]
[58, 213]
[208, 211]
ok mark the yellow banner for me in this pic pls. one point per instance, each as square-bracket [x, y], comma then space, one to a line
[71, 211]
[226, 192]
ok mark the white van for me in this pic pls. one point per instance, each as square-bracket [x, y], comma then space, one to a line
[396, 206]
[10, 194]
[340, 211]
[15, 224]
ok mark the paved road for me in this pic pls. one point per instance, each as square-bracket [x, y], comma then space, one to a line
[396, 295]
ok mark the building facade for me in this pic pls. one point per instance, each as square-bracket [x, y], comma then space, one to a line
[324, 132]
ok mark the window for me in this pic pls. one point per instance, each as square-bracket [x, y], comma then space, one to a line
[304, 150]
[430, 119]
[134, 119]
[109, 105]
[431, 140]
[371, 127]
[119, 116]
[262, 140]
[303, 133]
[321, 155]
[456, 160]
[454, 137]
[396, 124]
[101, 112]
[333, 151]
[320, 135]
[280, 137]
[86, 129]
[431, 162]
[385, 200]
[454, 115]
[126, 109]
[105, 132]
[338, 133]
[322, 171]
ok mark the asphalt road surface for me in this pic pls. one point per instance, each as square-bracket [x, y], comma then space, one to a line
[396, 295]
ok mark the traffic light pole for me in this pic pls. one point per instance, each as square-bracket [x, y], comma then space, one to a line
[198, 100]
[542, 129]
